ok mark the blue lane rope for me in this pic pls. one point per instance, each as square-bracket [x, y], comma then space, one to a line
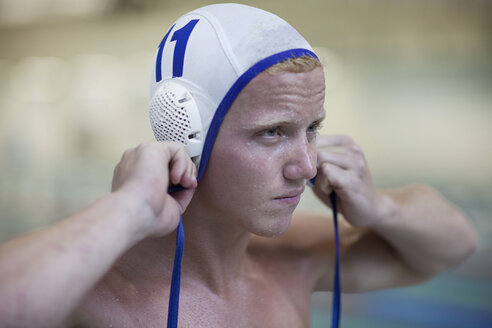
[172, 313]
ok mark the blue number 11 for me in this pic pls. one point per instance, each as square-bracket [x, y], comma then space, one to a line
[181, 37]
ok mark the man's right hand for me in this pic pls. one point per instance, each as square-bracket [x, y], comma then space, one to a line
[61, 263]
[144, 174]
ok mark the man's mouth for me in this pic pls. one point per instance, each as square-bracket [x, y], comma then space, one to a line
[290, 197]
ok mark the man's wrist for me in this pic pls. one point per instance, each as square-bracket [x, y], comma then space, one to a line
[387, 210]
[132, 214]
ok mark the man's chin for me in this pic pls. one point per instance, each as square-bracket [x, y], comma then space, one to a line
[275, 227]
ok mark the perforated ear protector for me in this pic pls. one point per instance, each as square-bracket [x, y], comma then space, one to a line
[174, 117]
[203, 62]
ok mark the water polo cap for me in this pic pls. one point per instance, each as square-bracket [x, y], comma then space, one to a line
[204, 61]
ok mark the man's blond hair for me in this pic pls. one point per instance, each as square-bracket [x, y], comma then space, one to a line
[294, 65]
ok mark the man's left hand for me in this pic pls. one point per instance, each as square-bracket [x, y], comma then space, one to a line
[342, 168]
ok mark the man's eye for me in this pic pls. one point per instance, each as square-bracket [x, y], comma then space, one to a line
[270, 132]
[314, 127]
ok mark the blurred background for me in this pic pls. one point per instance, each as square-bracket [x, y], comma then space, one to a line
[410, 81]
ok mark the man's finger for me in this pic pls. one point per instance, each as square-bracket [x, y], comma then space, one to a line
[333, 140]
[339, 159]
[179, 164]
[332, 175]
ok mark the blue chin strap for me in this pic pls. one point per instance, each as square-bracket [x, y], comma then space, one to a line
[335, 312]
[172, 312]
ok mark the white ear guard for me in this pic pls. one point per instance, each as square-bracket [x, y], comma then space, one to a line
[174, 117]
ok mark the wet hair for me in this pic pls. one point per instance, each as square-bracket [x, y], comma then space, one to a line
[294, 65]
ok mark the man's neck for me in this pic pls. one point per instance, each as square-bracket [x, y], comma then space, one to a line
[214, 254]
[215, 251]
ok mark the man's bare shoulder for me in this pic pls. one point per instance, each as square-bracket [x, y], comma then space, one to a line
[305, 250]
[105, 304]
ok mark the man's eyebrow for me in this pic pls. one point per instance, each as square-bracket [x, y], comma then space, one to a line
[266, 123]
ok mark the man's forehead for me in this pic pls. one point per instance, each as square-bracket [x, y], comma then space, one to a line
[264, 81]
[289, 95]
[282, 116]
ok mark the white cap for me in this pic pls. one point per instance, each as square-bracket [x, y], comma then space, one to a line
[213, 52]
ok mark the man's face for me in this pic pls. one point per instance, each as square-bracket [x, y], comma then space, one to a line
[264, 152]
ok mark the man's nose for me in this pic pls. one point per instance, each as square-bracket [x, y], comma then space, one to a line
[301, 162]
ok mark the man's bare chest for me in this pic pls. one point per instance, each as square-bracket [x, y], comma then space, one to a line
[267, 307]
[263, 305]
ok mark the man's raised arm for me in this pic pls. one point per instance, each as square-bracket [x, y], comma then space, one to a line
[397, 237]
[44, 275]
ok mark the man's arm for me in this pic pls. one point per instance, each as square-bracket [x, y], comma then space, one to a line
[44, 275]
[393, 238]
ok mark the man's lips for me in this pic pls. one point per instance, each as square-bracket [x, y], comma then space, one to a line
[294, 193]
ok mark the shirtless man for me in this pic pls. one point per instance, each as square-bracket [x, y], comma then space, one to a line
[110, 264]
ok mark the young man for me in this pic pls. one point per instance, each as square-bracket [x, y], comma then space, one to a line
[110, 265]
